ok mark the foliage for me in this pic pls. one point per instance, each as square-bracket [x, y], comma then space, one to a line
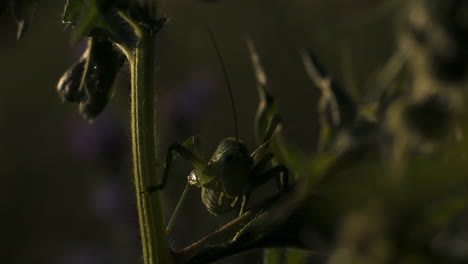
[388, 181]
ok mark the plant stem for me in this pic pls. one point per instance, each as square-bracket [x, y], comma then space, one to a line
[153, 235]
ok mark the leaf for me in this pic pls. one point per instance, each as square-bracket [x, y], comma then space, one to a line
[23, 12]
[72, 12]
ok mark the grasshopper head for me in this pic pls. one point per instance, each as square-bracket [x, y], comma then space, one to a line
[233, 165]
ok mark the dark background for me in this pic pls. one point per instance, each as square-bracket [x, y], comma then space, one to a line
[67, 194]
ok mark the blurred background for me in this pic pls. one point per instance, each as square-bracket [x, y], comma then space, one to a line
[67, 194]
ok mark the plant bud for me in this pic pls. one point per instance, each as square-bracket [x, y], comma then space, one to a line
[104, 64]
[69, 84]
[89, 81]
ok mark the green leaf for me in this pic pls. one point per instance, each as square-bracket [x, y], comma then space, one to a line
[72, 12]
[23, 12]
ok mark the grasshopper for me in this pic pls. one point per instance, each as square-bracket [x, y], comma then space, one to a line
[231, 173]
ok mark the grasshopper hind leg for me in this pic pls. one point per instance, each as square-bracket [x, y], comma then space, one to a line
[170, 225]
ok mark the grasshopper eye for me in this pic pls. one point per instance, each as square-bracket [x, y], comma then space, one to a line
[192, 178]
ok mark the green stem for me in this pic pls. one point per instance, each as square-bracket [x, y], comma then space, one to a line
[153, 235]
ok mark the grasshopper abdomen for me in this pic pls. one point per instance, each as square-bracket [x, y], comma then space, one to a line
[217, 202]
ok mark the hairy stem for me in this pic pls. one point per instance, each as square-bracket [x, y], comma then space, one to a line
[153, 235]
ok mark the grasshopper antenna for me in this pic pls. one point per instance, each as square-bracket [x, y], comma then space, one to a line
[228, 83]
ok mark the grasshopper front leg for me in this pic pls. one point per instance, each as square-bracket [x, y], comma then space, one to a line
[196, 159]
[174, 150]
[193, 140]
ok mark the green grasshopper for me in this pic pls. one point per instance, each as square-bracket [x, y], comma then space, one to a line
[231, 173]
